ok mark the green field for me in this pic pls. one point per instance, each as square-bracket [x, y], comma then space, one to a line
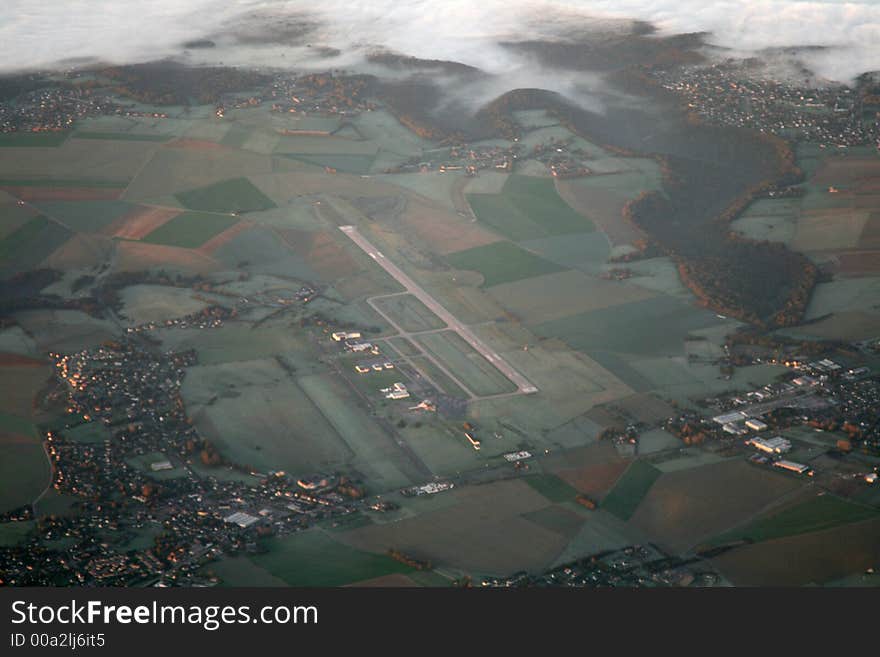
[24, 469]
[122, 136]
[28, 244]
[552, 487]
[651, 326]
[528, 208]
[814, 515]
[88, 432]
[623, 500]
[346, 163]
[12, 533]
[86, 216]
[312, 559]
[409, 313]
[191, 229]
[439, 377]
[99, 183]
[478, 374]
[233, 195]
[502, 262]
[32, 139]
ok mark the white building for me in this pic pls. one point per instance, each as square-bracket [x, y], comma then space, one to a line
[777, 445]
[755, 425]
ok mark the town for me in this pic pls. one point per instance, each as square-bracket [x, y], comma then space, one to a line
[733, 94]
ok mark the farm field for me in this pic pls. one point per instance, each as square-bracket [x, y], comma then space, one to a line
[805, 558]
[312, 558]
[629, 491]
[547, 298]
[485, 531]
[816, 514]
[264, 419]
[528, 208]
[233, 195]
[501, 262]
[24, 469]
[652, 326]
[190, 230]
[686, 507]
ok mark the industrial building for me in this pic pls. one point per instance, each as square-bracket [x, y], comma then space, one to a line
[777, 445]
[791, 466]
[755, 425]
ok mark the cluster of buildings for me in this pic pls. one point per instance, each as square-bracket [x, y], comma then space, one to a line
[431, 488]
[211, 317]
[561, 159]
[56, 108]
[732, 94]
[131, 394]
[466, 159]
[634, 566]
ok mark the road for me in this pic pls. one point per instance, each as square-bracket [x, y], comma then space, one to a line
[522, 384]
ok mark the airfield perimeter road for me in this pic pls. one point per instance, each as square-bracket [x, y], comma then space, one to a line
[523, 385]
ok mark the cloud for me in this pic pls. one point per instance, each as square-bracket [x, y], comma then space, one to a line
[42, 33]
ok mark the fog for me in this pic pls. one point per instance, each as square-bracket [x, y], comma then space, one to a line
[49, 33]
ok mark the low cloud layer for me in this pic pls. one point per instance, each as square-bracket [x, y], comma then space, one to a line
[46, 33]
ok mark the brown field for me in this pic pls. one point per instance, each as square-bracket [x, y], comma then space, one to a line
[192, 144]
[17, 360]
[64, 193]
[855, 325]
[482, 533]
[441, 230]
[7, 438]
[859, 264]
[814, 558]
[870, 237]
[80, 251]
[594, 480]
[136, 256]
[823, 230]
[605, 208]
[848, 172]
[321, 252]
[592, 469]
[140, 222]
[686, 507]
[645, 408]
[19, 385]
[395, 580]
[284, 185]
[225, 237]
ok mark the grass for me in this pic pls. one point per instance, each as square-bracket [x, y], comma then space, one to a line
[623, 500]
[502, 262]
[313, 559]
[88, 432]
[552, 487]
[32, 139]
[346, 163]
[24, 472]
[528, 208]
[410, 313]
[469, 367]
[233, 195]
[12, 533]
[63, 182]
[813, 515]
[86, 216]
[190, 229]
[121, 136]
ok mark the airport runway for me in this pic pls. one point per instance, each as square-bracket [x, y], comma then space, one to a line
[523, 385]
